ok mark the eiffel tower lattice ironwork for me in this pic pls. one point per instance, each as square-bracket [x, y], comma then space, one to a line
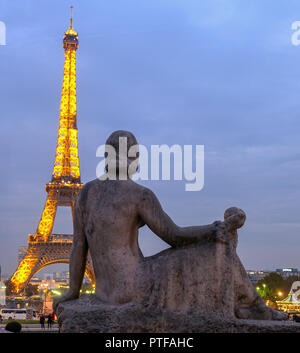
[45, 248]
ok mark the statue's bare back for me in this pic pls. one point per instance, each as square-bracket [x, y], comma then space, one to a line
[108, 215]
[112, 220]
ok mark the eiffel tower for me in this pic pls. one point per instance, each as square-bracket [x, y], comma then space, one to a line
[45, 248]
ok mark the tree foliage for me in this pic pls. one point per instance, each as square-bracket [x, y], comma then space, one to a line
[31, 290]
[272, 284]
[9, 288]
[13, 326]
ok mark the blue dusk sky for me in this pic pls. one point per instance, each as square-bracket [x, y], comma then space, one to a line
[218, 73]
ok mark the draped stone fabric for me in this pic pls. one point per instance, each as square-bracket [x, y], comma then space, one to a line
[196, 288]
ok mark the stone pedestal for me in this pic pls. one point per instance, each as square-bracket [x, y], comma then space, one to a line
[201, 287]
[88, 314]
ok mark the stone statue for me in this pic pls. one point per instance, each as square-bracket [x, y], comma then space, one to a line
[200, 273]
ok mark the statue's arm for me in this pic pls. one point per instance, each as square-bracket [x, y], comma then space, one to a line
[78, 253]
[78, 257]
[152, 214]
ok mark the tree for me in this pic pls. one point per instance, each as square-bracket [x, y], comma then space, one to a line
[269, 286]
[31, 290]
[13, 326]
[9, 288]
[272, 284]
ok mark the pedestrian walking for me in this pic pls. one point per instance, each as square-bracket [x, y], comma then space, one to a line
[49, 321]
[296, 318]
[42, 321]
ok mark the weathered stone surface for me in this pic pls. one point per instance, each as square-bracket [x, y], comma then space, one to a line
[88, 314]
[199, 277]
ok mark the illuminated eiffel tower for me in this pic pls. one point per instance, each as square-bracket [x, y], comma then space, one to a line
[45, 248]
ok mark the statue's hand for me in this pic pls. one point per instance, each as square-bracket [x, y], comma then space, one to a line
[220, 230]
[234, 218]
[63, 298]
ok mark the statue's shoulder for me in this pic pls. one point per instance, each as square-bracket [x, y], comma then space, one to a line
[86, 190]
[143, 192]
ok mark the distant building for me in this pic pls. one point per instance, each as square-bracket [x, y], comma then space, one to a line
[2, 291]
[48, 276]
[56, 275]
[287, 272]
[21, 253]
[61, 276]
[255, 276]
[65, 275]
[2, 294]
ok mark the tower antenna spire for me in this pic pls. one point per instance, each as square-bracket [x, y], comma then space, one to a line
[71, 18]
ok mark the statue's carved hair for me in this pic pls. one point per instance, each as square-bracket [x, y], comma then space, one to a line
[114, 141]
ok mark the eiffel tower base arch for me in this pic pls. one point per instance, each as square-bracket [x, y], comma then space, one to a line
[39, 256]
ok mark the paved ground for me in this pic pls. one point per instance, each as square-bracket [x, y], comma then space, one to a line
[33, 327]
[3, 331]
[39, 329]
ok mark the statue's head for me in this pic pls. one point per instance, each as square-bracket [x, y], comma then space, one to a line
[122, 153]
